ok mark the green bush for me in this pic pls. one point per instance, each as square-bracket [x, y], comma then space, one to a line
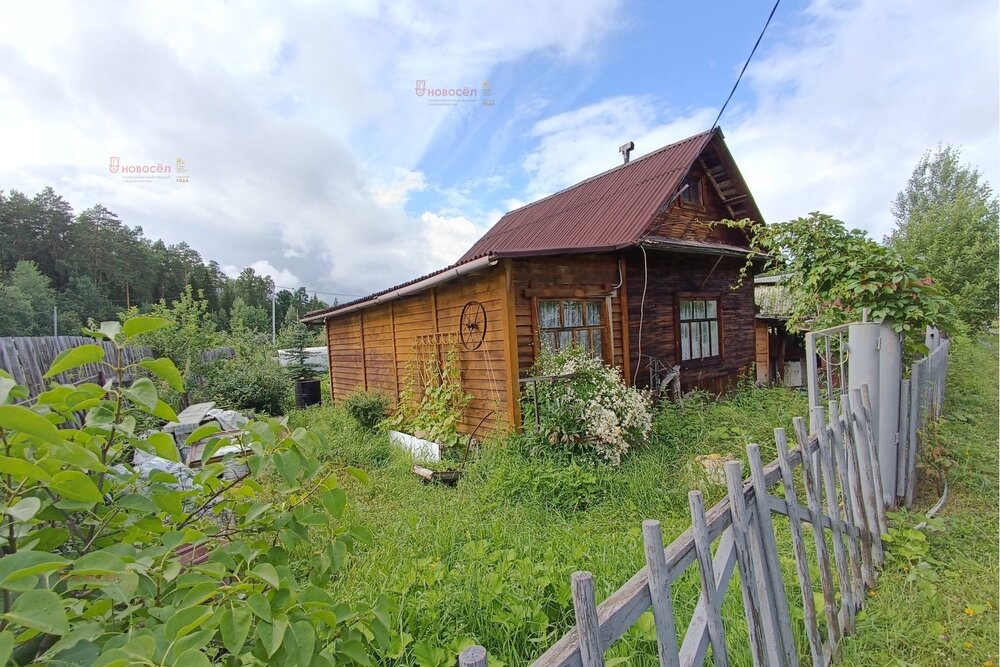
[367, 408]
[592, 415]
[93, 569]
[253, 383]
[547, 483]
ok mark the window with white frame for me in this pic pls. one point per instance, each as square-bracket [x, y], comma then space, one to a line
[699, 329]
[562, 322]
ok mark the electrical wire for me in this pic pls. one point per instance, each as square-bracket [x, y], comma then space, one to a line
[746, 64]
[642, 309]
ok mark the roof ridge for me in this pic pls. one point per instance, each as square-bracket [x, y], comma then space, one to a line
[608, 171]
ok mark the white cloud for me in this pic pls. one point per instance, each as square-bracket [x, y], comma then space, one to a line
[283, 278]
[298, 121]
[579, 144]
[845, 107]
[849, 103]
[447, 238]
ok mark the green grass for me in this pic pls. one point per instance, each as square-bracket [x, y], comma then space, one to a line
[489, 561]
[903, 625]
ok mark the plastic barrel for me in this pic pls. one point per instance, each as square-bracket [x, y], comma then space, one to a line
[307, 392]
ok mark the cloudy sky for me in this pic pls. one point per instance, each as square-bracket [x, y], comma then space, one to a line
[311, 157]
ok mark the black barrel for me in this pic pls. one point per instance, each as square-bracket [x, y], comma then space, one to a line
[307, 392]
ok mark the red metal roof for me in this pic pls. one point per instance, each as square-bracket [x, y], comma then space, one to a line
[604, 212]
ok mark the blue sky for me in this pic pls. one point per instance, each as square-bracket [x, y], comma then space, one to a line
[311, 158]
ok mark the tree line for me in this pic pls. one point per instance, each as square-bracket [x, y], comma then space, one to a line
[92, 265]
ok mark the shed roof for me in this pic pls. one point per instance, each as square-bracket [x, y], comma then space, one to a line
[604, 212]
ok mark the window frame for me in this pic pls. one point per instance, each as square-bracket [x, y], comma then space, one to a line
[603, 326]
[713, 360]
[695, 185]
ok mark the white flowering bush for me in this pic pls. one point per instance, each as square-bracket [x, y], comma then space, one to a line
[592, 415]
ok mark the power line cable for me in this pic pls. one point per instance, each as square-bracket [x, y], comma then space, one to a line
[746, 64]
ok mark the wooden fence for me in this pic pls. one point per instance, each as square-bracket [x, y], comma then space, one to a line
[27, 358]
[921, 402]
[840, 477]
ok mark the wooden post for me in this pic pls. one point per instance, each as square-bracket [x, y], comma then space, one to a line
[863, 457]
[659, 592]
[916, 374]
[765, 530]
[902, 445]
[474, 656]
[869, 421]
[709, 593]
[588, 628]
[837, 461]
[799, 546]
[755, 609]
[812, 373]
[861, 511]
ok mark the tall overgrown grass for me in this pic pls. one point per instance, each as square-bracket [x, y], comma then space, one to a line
[489, 561]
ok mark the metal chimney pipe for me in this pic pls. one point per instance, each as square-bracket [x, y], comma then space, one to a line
[625, 149]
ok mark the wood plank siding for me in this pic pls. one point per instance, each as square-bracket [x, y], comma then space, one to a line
[567, 276]
[387, 333]
[667, 274]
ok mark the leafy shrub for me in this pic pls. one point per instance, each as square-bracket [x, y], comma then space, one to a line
[257, 383]
[432, 402]
[367, 408]
[93, 571]
[593, 415]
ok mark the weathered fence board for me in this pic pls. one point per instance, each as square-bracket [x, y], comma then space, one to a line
[27, 358]
[843, 495]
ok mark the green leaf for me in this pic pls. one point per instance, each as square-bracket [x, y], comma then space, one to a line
[6, 646]
[203, 432]
[27, 564]
[260, 607]
[19, 418]
[334, 501]
[41, 610]
[137, 503]
[24, 509]
[74, 358]
[143, 324]
[186, 620]
[300, 643]
[272, 634]
[165, 369]
[74, 485]
[287, 464]
[164, 412]
[359, 474]
[266, 573]
[193, 658]
[6, 384]
[142, 392]
[98, 563]
[235, 626]
[23, 469]
[164, 445]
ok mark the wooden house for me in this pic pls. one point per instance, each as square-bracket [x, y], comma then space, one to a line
[779, 353]
[627, 264]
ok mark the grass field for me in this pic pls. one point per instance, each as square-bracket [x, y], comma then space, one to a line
[489, 562]
[956, 624]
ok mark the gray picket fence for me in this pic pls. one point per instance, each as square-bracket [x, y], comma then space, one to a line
[841, 479]
[27, 358]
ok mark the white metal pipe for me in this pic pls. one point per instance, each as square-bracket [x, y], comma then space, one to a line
[419, 286]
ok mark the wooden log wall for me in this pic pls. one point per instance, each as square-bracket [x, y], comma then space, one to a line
[668, 274]
[27, 358]
[374, 349]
